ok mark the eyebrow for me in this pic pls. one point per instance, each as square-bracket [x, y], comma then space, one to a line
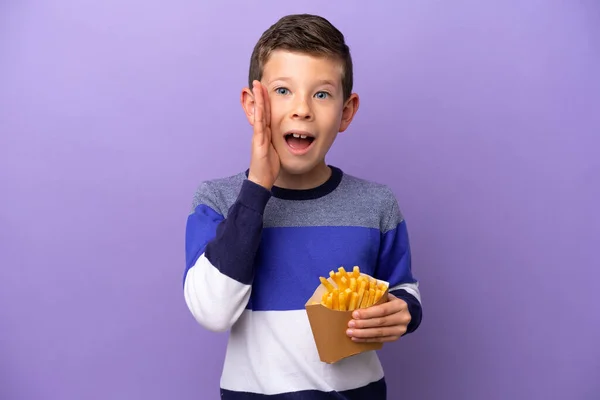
[319, 82]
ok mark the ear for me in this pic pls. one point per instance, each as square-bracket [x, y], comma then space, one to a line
[247, 100]
[349, 111]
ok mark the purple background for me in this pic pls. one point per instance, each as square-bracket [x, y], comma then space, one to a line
[482, 116]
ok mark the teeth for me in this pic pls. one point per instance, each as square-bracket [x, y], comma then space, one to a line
[298, 136]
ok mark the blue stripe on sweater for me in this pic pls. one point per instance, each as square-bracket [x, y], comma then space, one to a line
[394, 260]
[373, 391]
[291, 260]
[200, 229]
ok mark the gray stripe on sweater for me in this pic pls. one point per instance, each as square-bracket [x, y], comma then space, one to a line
[355, 202]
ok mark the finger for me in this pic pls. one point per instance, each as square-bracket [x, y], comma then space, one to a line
[267, 113]
[258, 102]
[376, 333]
[378, 322]
[267, 106]
[259, 131]
[381, 310]
[377, 340]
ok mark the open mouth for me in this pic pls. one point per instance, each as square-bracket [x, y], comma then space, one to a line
[299, 141]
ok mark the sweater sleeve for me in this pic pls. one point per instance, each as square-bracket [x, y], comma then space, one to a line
[394, 263]
[220, 254]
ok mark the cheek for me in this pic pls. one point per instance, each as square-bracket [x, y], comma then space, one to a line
[330, 121]
[277, 114]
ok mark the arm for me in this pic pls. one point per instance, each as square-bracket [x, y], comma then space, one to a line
[220, 255]
[220, 251]
[395, 267]
[402, 313]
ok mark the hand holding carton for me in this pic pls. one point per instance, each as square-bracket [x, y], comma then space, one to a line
[330, 309]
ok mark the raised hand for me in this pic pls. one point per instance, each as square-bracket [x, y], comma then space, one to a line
[264, 161]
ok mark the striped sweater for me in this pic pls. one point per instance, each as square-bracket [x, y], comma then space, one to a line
[254, 257]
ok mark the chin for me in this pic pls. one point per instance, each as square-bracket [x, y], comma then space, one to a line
[298, 167]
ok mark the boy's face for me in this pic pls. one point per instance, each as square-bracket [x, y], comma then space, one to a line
[307, 108]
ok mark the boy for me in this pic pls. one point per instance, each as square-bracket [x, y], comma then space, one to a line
[257, 242]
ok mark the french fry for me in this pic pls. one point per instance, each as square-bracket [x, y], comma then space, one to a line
[336, 299]
[370, 302]
[353, 284]
[378, 294]
[350, 290]
[342, 301]
[348, 296]
[372, 284]
[360, 280]
[353, 301]
[365, 300]
[334, 277]
[343, 283]
[326, 283]
[329, 302]
[361, 293]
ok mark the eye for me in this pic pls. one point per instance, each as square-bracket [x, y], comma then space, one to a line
[321, 95]
[282, 91]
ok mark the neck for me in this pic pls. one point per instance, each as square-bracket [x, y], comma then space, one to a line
[316, 177]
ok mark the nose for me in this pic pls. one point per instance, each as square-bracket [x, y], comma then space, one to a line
[302, 110]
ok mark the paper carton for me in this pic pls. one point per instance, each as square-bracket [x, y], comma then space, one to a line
[329, 328]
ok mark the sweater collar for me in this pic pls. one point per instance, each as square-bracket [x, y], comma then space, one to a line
[309, 194]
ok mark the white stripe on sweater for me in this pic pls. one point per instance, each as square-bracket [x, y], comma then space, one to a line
[412, 288]
[215, 300]
[273, 352]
